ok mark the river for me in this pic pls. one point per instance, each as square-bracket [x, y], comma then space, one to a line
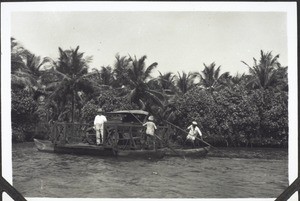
[224, 173]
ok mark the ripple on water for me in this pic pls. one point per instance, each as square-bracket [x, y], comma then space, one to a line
[53, 175]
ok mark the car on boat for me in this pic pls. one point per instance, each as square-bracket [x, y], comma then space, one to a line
[123, 129]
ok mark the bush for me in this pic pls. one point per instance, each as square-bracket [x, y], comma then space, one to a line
[274, 115]
[196, 105]
[17, 133]
[23, 107]
[235, 117]
[22, 116]
[23, 132]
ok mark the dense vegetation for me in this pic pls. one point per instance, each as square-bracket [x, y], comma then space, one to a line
[241, 110]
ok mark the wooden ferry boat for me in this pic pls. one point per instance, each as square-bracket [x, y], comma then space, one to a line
[86, 149]
[123, 137]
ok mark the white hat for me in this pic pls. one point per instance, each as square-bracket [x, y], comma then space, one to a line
[194, 122]
[151, 118]
[100, 110]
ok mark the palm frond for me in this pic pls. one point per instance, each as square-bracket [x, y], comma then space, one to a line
[21, 81]
[157, 94]
[149, 70]
[246, 64]
[154, 98]
[57, 72]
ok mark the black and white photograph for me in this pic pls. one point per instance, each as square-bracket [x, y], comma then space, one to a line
[149, 100]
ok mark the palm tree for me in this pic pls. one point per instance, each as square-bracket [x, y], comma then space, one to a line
[71, 79]
[26, 70]
[265, 73]
[211, 78]
[138, 77]
[20, 75]
[167, 82]
[185, 82]
[107, 75]
[238, 79]
[18, 55]
[121, 66]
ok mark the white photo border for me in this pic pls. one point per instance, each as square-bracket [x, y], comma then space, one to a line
[7, 8]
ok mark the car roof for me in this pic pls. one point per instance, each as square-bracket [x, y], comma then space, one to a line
[136, 112]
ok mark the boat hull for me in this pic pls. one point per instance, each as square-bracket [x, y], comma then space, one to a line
[80, 149]
[141, 153]
[86, 149]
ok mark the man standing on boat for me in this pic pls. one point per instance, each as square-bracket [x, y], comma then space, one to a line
[193, 132]
[99, 126]
[150, 130]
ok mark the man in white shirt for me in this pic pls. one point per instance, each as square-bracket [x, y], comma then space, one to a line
[99, 126]
[150, 131]
[194, 131]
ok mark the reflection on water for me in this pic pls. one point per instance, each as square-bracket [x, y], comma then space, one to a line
[227, 173]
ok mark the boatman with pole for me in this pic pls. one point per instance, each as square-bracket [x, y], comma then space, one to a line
[193, 132]
[150, 130]
[99, 126]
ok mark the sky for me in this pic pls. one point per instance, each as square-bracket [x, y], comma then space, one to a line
[177, 41]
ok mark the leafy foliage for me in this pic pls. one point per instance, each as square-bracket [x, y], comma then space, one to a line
[22, 115]
[242, 110]
[232, 118]
[23, 106]
[109, 101]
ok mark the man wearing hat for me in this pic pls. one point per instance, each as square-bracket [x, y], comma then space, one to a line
[193, 132]
[99, 126]
[150, 130]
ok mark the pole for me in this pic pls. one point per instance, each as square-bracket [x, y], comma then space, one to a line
[157, 136]
[187, 133]
[171, 148]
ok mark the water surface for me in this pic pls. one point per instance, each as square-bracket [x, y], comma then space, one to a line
[224, 173]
